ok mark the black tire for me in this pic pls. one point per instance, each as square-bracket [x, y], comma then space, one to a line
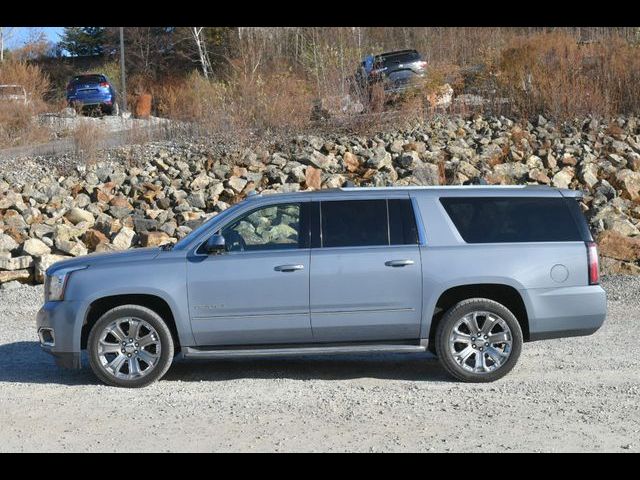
[164, 337]
[445, 328]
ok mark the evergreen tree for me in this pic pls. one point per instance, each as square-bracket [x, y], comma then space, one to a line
[83, 41]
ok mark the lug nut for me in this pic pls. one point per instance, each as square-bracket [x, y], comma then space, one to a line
[480, 350]
[485, 337]
[473, 345]
[128, 355]
[135, 351]
[473, 339]
[137, 344]
[486, 344]
[124, 343]
[123, 351]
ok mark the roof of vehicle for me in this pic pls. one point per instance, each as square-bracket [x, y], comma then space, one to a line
[88, 75]
[397, 52]
[479, 190]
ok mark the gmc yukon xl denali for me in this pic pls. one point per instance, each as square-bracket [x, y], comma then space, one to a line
[469, 273]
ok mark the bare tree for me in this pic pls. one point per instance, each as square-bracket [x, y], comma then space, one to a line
[5, 34]
[205, 63]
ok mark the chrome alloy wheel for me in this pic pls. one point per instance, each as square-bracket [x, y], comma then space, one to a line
[480, 342]
[129, 348]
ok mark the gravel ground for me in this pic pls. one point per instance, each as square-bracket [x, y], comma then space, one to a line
[575, 394]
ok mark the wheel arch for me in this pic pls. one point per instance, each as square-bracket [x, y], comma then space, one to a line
[503, 293]
[101, 305]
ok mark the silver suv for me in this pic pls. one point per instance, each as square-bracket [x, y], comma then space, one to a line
[468, 273]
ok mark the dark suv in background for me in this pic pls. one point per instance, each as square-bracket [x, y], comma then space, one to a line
[397, 71]
[92, 91]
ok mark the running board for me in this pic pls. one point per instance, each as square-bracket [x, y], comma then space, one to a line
[194, 352]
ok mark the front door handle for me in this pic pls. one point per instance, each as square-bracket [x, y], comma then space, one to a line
[288, 268]
[399, 263]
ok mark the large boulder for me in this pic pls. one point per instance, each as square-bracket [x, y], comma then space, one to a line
[7, 243]
[16, 263]
[15, 275]
[154, 239]
[563, 178]
[43, 263]
[123, 239]
[35, 247]
[629, 182]
[77, 215]
[426, 174]
[350, 162]
[613, 244]
[313, 178]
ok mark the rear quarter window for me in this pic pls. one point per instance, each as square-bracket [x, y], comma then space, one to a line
[514, 219]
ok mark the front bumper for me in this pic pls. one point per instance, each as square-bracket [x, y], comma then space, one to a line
[58, 333]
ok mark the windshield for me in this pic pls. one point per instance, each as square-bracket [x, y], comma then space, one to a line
[395, 58]
[182, 244]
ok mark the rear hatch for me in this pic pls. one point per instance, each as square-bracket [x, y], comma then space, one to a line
[88, 87]
[401, 68]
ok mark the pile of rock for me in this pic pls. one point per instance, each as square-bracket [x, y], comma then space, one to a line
[171, 188]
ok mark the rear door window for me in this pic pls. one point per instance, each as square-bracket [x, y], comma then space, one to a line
[402, 222]
[512, 219]
[354, 223]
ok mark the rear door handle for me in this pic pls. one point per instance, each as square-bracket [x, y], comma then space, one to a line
[288, 268]
[399, 263]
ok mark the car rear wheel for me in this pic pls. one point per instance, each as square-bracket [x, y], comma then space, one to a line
[130, 346]
[478, 340]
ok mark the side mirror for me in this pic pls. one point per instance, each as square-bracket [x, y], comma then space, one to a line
[215, 245]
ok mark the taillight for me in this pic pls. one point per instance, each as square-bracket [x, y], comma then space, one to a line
[592, 258]
[421, 64]
[104, 84]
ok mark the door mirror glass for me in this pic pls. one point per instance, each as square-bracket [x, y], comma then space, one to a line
[215, 244]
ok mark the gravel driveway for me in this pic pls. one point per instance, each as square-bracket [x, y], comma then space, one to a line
[576, 394]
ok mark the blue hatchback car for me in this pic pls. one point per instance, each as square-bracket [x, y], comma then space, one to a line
[92, 90]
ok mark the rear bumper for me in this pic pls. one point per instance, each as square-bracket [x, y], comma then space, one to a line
[91, 100]
[56, 327]
[565, 312]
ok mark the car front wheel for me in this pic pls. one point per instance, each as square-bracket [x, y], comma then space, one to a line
[130, 346]
[478, 340]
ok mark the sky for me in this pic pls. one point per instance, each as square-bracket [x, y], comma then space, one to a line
[20, 34]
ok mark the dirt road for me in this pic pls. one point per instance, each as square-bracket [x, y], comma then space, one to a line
[576, 394]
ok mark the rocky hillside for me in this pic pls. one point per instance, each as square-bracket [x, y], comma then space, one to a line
[151, 195]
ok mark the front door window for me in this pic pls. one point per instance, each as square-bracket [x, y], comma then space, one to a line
[274, 227]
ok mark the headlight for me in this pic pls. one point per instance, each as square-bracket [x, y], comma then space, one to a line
[54, 284]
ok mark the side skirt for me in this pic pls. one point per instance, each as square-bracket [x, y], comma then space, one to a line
[307, 349]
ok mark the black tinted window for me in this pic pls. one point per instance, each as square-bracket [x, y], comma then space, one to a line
[354, 223]
[402, 223]
[88, 79]
[509, 219]
[401, 57]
